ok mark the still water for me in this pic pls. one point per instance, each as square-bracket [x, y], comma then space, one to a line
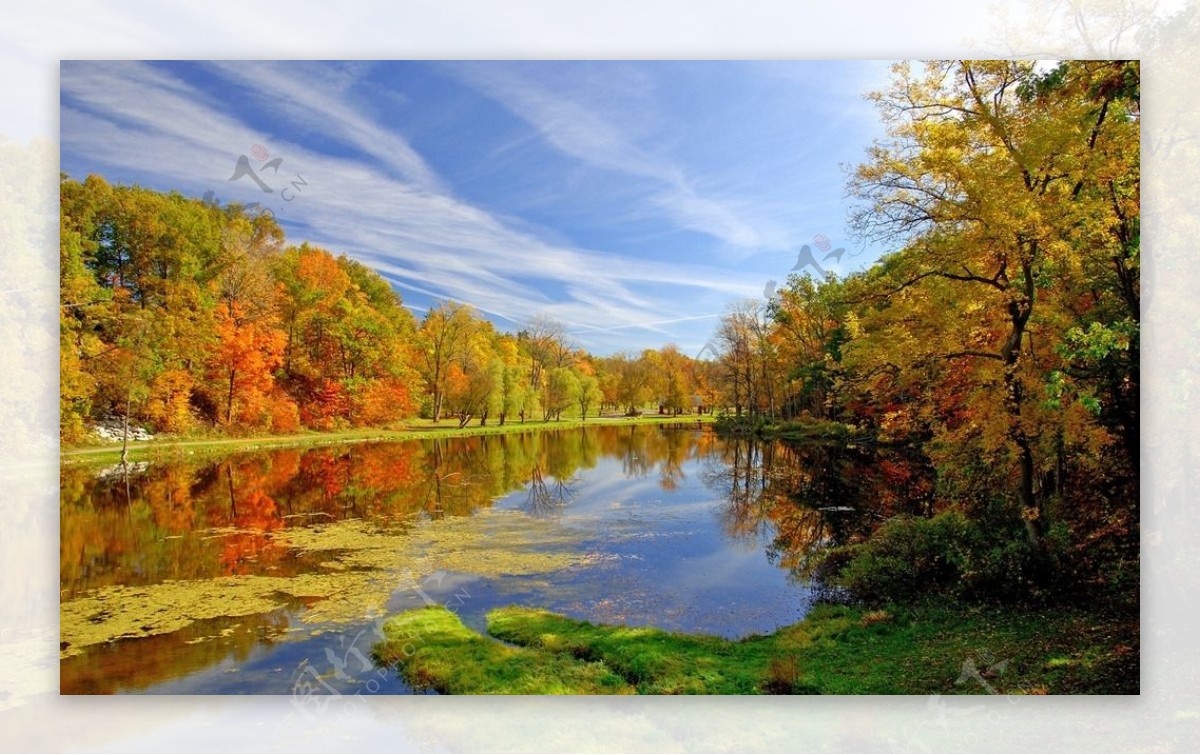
[269, 572]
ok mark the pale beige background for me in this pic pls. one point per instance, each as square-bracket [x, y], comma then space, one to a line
[33, 38]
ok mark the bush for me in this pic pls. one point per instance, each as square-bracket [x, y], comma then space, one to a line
[326, 406]
[947, 554]
[379, 402]
[906, 557]
[814, 429]
[168, 405]
[784, 678]
[745, 424]
[285, 415]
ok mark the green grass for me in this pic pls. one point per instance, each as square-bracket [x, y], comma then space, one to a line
[168, 447]
[800, 430]
[655, 661]
[438, 652]
[922, 649]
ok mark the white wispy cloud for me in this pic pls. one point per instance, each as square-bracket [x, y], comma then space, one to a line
[583, 131]
[387, 209]
[317, 101]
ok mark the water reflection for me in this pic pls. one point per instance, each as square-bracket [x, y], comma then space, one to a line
[122, 667]
[130, 529]
[547, 498]
[801, 498]
[680, 529]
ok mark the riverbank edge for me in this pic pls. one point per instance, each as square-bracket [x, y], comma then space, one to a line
[931, 648]
[172, 448]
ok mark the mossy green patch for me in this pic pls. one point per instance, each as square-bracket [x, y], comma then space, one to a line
[437, 652]
[933, 648]
[654, 660]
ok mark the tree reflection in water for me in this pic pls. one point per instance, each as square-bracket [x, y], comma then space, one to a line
[154, 523]
[547, 499]
[206, 518]
[802, 498]
[131, 528]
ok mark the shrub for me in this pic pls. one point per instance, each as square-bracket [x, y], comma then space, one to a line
[782, 676]
[814, 429]
[870, 618]
[785, 678]
[379, 402]
[745, 424]
[947, 554]
[326, 406]
[907, 556]
[168, 404]
[285, 415]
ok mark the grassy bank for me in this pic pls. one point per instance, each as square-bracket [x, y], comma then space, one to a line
[807, 431]
[168, 447]
[932, 648]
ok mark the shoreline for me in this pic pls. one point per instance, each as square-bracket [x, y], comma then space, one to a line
[180, 447]
[937, 646]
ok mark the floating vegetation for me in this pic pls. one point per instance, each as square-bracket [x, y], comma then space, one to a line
[362, 566]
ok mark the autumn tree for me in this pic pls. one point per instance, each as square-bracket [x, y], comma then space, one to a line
[476, 379]
[748, 363]
[209, 290]
[546, 345]
[994, 192]
[510, 378]
[811, 322]
[588, 394]
[442, 339]
[562, 390]
[677, 381]
[633, 381]
[84, 301]
[248, 345]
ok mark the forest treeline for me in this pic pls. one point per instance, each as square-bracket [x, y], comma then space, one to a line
[1000, 337]
[188, 317]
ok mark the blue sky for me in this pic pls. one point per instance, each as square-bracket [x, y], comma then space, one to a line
[632, 201]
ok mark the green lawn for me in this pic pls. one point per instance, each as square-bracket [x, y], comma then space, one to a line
[933, 648]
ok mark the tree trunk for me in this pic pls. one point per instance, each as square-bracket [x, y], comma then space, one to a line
[125, 425]
[1020, 309]
[232, 498]
[229, 401]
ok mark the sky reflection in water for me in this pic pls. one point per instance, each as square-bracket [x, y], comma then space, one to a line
[675, 528]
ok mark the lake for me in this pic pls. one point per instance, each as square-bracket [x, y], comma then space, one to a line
[269, 571]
